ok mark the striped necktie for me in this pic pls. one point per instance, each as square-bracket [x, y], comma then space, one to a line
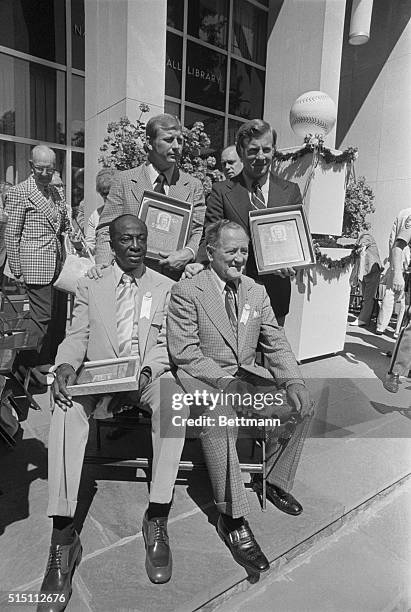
[159, 186]
[257, 198]
[125, 314]
[231, 303]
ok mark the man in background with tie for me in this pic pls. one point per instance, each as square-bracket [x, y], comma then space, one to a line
[216, 320]
[256, 187]
[164, 145]
[120, 314]
[37, 221]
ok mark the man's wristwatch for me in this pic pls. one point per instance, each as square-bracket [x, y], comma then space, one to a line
[146, 371]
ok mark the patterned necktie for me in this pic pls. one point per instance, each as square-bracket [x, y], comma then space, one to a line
[159, 186]
[257, 198]
[54, 210]
[231, 303]
[125, 314]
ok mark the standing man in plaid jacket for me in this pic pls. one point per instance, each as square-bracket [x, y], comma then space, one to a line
[164, 145]
[37, 221]
[215, 321]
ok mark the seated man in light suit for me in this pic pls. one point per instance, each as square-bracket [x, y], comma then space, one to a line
[123, 313]
[215, 321]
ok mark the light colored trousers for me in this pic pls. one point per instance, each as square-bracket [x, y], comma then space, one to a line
[68, 438]
[223, 465]
[387, 306]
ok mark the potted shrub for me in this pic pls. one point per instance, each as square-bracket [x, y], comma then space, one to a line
[123, 148]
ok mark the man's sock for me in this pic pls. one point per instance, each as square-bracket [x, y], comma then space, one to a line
[232, 523]
[63, 530]
[158, 510]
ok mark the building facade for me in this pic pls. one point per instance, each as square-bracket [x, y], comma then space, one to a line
[42, 76]
[69, 67]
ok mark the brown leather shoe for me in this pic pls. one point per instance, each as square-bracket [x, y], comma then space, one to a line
[281, 499]
[159, 562]
[62, 561]
[243, 547]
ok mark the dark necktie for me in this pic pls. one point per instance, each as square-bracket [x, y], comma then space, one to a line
[257, 198]
[231, 303]
[54, 210]
[159, 186]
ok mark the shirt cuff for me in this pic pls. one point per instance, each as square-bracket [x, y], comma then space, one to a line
[192, 253]
[295, 381]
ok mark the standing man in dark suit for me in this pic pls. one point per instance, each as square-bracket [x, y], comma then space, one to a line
[255, 187]
[37, 221]
[215, 321]
[164, 144]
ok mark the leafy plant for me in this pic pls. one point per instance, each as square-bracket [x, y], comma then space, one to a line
[359, 203]
[123, 148]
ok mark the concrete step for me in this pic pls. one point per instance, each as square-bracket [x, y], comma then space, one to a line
[365, 565]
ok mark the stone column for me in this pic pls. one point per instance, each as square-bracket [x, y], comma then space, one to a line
[125, 66]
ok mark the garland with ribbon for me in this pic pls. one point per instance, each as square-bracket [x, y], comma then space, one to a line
[336, 264]
[316, 144]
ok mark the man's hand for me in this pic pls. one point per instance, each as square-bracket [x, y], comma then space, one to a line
[76, 242]
[398, 285]
[192, 269]
[20, 281]
[65, 375]
[299, 398]
[177, 260]
[96, 271]
[285, 272]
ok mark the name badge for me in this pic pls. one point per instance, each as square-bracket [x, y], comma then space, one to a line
[146, 306]
[245, 314]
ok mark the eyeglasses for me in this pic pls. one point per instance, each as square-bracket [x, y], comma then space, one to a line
[42, 170]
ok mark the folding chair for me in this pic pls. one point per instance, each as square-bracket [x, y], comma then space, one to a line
[136, 418]
[12, 343]
[5, 397]
[14, 305]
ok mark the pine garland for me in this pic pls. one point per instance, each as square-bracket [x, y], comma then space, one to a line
[336, 264]
[315, 142]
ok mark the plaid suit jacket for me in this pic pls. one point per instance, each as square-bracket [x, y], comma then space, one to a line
[3, 223]
[33, 237]
[126, 194]
[203, 345]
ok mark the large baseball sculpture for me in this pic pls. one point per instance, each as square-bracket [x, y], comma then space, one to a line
[313, 113]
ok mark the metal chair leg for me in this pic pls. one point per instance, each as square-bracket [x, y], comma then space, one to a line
[23, 386]
[264, 473]
[98, 435]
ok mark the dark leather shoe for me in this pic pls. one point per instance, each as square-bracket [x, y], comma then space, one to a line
[392, 383]
[243, 547]
[281, 499]
[159, 562]
[62, 561]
